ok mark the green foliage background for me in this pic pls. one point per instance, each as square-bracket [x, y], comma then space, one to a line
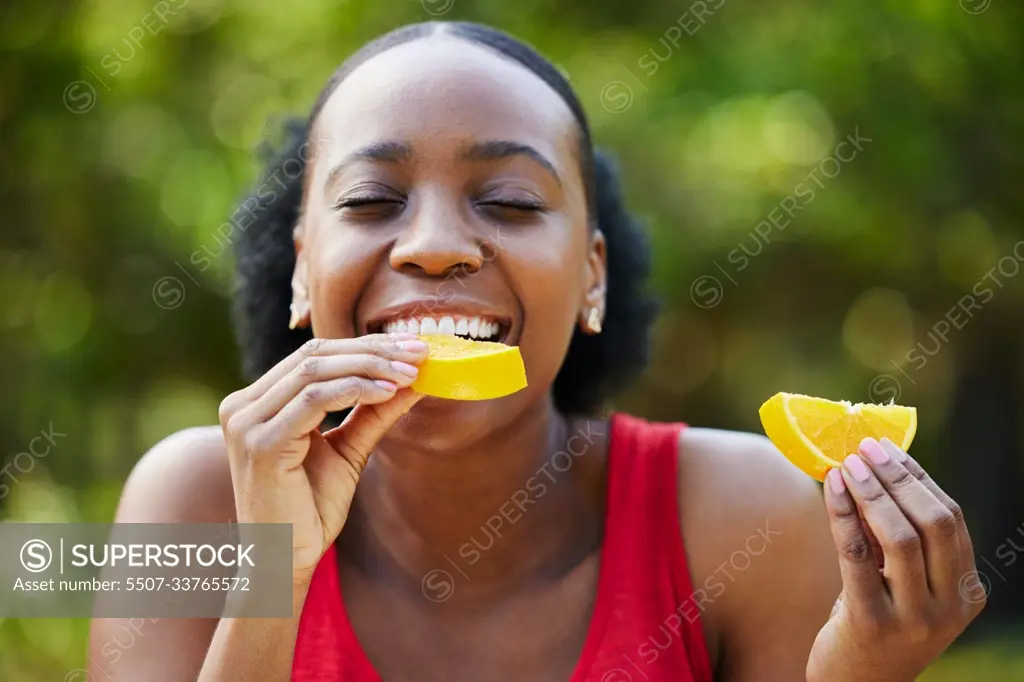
[126, 136]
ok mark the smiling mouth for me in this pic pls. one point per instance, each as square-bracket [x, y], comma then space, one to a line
[474, 327]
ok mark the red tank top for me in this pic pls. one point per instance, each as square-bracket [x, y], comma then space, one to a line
[645, 626]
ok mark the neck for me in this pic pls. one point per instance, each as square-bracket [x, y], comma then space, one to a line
[511, 508]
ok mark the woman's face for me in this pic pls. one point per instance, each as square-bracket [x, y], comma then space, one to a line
[446, 194]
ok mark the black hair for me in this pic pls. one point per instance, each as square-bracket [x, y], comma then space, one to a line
[595, 367]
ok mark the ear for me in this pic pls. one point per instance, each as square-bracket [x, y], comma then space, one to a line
[300, 310]
[592, 308]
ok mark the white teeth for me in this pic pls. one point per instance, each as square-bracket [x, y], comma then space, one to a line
[473, 327]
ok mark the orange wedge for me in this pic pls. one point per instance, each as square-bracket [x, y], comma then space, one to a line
[460, 369]
[817, 434]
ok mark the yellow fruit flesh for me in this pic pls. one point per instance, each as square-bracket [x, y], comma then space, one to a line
[460, 369]
[817, 434]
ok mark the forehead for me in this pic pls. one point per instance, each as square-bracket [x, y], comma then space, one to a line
[440, 92]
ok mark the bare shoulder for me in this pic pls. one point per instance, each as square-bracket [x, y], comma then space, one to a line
[183, 478]
[745, 473]
[759, 545]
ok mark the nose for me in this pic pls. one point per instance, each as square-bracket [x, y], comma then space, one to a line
[437, 241]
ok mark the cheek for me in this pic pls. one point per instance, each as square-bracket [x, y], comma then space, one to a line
[549, 278]
[338, 267]
[553, 266]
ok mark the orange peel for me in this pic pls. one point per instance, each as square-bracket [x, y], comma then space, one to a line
[816, 434]
[461, 369]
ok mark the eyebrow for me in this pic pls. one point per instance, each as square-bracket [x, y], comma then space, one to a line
[494, 150]
[489, 150]
[382, 152]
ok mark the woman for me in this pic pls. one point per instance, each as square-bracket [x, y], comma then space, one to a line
[446, 178]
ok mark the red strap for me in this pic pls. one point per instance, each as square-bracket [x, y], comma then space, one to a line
[645, 534]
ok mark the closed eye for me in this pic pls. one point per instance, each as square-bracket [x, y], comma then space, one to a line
[355, 202]
[520, 204]
[518, 210]
[512, 208]
[369, 206]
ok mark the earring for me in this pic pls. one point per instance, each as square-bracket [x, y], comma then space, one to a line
[294, 321]
[594, 321]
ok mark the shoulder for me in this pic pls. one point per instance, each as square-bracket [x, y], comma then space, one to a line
[183, 478]
[758, 540]
[745, 472]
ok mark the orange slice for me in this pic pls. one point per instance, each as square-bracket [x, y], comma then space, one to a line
[817, 434]
[460, 369]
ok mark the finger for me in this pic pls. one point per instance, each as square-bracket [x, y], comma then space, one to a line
[337, 458]
[963, 535]
[321, 369]
[876, 548]
[405, 347]
[837, 607]
[332, 479]
[934, 523]
[304, 413]
[900, 542]
[367, 424]
[862, 582]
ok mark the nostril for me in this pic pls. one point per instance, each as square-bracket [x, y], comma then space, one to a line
[434, 262]
[408, 268]
[464, 268]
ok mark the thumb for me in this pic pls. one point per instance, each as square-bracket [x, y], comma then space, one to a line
[837, 607]
[367, 424]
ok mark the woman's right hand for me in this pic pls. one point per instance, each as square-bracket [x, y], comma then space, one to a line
[283, 469]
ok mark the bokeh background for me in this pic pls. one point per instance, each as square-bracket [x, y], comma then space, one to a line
[888, 267]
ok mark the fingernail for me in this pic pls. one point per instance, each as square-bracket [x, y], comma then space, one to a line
[836, 482]
[874, 451]
[857, 468]
[405, 368]
[386, 385]
[894, 450]
[414, 346]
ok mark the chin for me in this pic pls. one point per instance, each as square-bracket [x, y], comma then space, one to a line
[444, 425]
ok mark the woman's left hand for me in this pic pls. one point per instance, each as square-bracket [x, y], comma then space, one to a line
[910, 586]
